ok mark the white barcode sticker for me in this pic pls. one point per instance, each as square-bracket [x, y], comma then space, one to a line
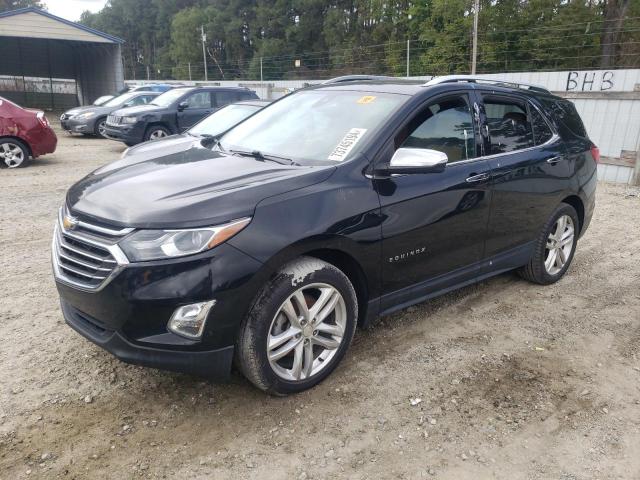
[346, 144]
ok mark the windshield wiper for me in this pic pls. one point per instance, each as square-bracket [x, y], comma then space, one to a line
[258, 155]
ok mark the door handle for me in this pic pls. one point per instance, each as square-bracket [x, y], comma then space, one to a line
[554, 160]
[481, 177]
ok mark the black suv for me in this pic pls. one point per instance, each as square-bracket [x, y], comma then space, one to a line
[331, 207]
[172, 112]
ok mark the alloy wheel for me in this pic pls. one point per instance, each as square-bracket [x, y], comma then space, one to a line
[12, 154]
[306, 332]
[102, 128]
[156, 134]
[559, 245]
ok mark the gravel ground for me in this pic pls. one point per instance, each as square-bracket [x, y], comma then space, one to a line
[504, 379]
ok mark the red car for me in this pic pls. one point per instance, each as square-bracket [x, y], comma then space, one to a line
[23, 133]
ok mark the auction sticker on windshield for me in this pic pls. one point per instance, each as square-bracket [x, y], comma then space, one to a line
[346, 144]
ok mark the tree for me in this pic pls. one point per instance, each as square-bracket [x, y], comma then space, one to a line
[7, 5]
[614, 13]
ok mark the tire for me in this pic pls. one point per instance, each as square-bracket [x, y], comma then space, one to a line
[155, 132]
[312, 280]
[99, 127]
[13, 153]
[541, 269]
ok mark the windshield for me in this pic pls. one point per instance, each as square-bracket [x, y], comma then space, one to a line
[120, 99]
[170, 96]
[222, 120]
[314, 125]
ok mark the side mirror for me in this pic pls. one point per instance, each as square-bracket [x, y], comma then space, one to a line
[416, 160]
[128, 104]
[182, 106]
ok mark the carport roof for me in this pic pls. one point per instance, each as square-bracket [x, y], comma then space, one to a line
[50, 27]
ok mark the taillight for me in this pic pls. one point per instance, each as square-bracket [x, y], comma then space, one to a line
[595, 153]
[42, 119]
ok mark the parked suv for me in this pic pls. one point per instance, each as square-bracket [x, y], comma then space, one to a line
[172, 112]
[91, 119]
[24, 133]
[204, 133]
[335, 205]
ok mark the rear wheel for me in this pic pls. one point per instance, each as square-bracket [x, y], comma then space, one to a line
[299, 328]
[554, 247]
[156, 132]
[13, 153]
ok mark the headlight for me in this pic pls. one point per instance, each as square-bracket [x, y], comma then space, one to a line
[129, 120]
[145, 245]
[85, 115]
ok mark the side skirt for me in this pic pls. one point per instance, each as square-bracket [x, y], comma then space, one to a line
[420, 292]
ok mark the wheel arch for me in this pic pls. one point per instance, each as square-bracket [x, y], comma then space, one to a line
[576, 202]
[348, 265]
[334, 252]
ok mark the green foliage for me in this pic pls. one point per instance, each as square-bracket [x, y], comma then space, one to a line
[359, 36]
[6, 5]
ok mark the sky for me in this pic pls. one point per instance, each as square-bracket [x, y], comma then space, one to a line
[72, 9]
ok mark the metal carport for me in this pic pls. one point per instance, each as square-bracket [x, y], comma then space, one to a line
[49, 62]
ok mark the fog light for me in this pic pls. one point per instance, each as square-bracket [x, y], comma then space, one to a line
[188, 320]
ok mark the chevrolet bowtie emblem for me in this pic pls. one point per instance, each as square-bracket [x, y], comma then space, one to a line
[69, 222]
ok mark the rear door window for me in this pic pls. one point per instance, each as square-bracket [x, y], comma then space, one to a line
[225, 98]
[508, 123]
[542, 133]
[445, 126]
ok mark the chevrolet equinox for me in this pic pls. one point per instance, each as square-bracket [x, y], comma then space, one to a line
[335, 205]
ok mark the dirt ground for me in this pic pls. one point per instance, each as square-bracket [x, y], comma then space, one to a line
[503, 380]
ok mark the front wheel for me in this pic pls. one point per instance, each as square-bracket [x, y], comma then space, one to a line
[554, 247]
[299, 327]
[156, 132]
[100, 128]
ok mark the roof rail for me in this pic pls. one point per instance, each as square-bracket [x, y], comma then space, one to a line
[491, 81]
[357, 78]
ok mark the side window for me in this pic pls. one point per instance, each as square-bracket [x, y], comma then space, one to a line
[509, 126]
[225, 98]
[541, 131]
[446, 126]
[199, 100]
[141, 100]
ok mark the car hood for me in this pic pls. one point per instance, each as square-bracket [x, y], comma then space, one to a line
[138, 110]
[90, 108]
[193, 188]
[157, 148]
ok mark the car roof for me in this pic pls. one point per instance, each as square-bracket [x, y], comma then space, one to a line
[209, 87]
[419, 87]
[399, 86]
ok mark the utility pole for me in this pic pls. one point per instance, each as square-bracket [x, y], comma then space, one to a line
[260, 69]
[204, 52]
[408, 41]
[476, 11]
[189, 71]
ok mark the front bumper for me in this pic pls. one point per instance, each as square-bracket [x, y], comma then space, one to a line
[129, 134]
[209, 363]
[128, 315]
[78, 126]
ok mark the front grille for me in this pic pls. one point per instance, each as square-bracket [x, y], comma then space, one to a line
[113, 120]
[87, 255]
